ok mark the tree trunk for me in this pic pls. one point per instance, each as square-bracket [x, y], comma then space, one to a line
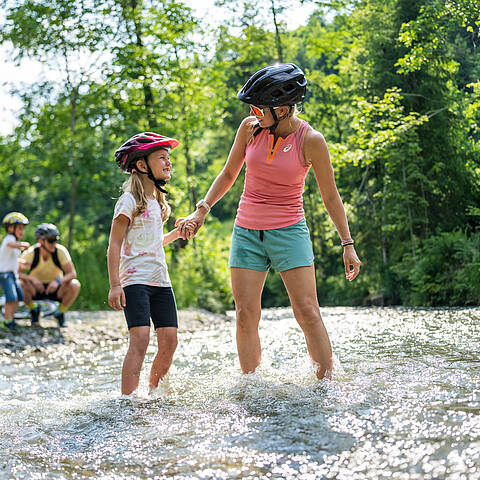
[409, 212]
[189, 168]
[148, 97]
[73, 177]
[278, 40]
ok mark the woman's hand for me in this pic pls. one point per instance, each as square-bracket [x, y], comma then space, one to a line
[190, 225]
[116, 298]
[351, 261]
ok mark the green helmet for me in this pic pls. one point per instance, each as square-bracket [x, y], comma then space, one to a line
[15, 218]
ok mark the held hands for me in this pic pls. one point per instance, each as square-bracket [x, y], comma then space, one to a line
[186, 228]
[352, 262]
[23, 245]
[116, 298]
[189, 226]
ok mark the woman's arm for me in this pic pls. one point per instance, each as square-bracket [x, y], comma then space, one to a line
[116, 296]
[225, 179]
[316, 152]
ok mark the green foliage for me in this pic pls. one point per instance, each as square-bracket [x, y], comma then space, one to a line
[393, 86]
[429, 36]
[447, 273]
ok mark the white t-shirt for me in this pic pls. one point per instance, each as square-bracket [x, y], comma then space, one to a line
[8, 255]
[142, 258]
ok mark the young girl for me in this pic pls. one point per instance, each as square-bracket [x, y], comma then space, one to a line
[10, 249]
[139, 281]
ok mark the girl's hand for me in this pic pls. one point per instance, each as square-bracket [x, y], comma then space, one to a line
[116, 298]
[352, 262]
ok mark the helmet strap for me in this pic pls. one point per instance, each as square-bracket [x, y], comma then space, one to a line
[158, 183]
[276, 121]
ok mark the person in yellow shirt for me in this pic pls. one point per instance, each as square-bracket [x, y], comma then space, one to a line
[51, 273]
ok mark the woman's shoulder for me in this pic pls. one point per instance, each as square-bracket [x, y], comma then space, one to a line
[313, 139]
[247, 125]
[314, 145]
[247, 129]
[312, 135]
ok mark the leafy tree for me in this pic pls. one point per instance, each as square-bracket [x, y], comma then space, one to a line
[72, 34]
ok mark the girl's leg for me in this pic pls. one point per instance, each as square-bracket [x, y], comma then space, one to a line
[167, 343]
[247, 286]
[137, 348]
[301, 288]
[10, 309]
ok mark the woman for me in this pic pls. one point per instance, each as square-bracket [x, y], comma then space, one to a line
[270, 229]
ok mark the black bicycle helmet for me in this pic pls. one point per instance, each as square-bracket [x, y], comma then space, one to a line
[45, 230]
[274, 86]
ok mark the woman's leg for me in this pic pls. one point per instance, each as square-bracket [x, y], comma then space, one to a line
[137, 348]
[247, 286]
[167, 343]
[301, 288]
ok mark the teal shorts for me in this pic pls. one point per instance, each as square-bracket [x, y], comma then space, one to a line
[282, 248]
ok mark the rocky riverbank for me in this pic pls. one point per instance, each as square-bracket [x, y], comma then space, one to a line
[90, 329]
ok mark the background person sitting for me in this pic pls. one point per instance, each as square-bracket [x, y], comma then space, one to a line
[51, 274]
[14, 223]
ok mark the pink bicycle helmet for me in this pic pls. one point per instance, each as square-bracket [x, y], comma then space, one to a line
[141, 145]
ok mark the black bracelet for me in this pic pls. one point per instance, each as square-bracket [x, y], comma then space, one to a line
[345, 244]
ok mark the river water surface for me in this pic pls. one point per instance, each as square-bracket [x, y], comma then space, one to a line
[404, 404]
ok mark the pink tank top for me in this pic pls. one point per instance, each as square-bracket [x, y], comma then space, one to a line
[274, 182]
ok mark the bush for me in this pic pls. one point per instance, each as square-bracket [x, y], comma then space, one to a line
[447, 271]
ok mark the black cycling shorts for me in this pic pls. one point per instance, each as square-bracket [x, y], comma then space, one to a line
[47, 296]
[144, 302]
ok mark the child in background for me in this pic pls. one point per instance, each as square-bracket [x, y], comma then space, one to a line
[138, 274]
[14, 223]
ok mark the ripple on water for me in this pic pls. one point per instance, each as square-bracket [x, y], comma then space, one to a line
[404, 403]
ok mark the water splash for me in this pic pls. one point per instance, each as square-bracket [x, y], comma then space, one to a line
[404, 402]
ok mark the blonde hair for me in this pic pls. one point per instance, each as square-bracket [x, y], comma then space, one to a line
[134, 185]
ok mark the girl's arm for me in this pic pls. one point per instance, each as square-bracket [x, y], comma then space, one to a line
[316, 152]
[171, 236]
[19, 245]
[225, 179]
[176, 233]
[116, 296]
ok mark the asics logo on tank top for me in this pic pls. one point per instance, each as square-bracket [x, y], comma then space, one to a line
[288, 148]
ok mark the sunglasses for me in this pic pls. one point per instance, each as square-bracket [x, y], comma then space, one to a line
[52, 239]
[259, 112]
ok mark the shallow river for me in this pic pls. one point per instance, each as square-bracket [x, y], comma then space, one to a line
[404, 404]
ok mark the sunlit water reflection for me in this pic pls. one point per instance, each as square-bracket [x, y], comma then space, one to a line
[404, 404]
